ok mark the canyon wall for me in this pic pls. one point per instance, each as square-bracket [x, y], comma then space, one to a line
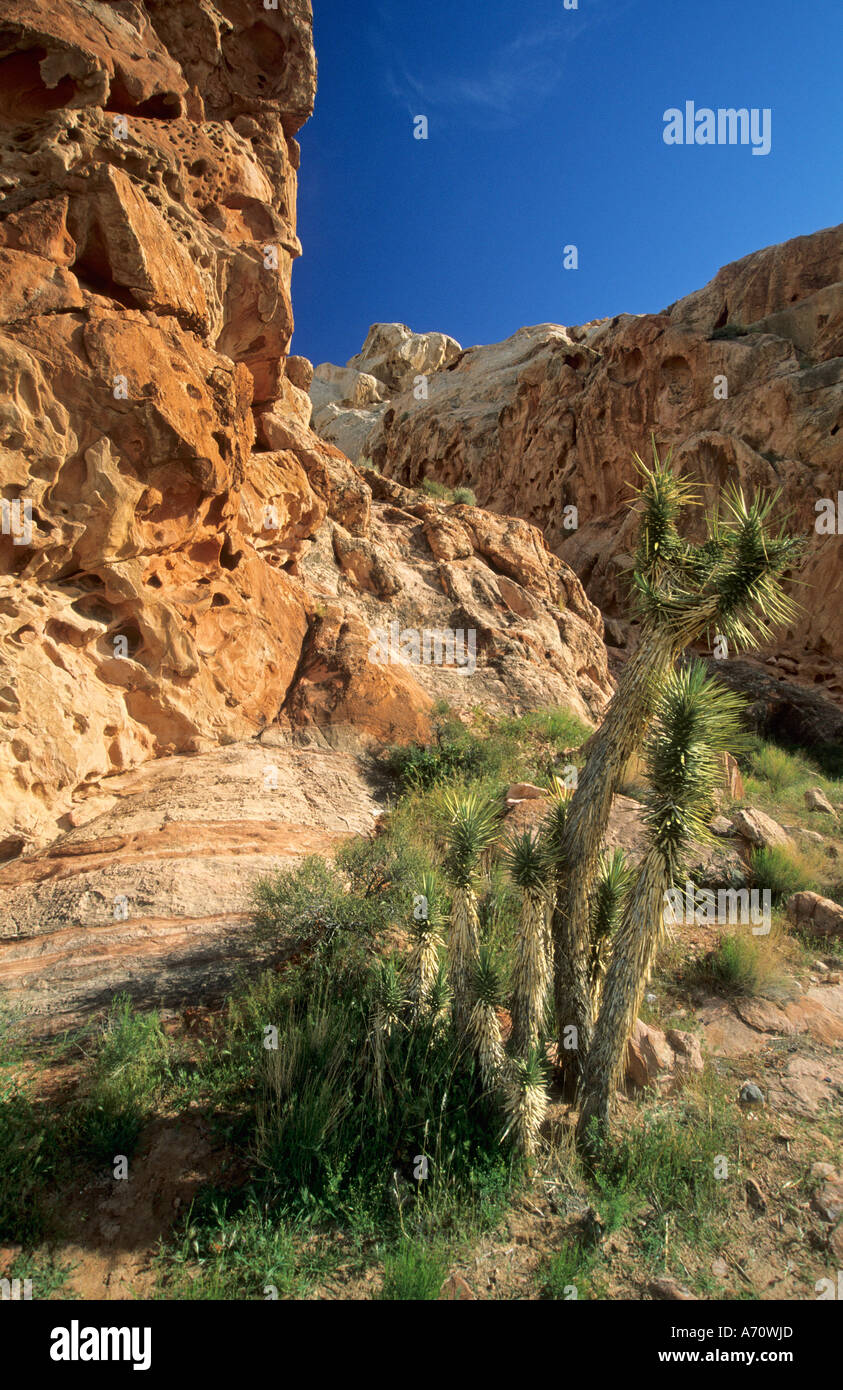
[182, 562]
[744, 379]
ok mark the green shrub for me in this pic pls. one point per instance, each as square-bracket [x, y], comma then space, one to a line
[454, 752]
[130, 1070]
[730, 330]
[464, 495]
[434, 489]
[371, 881]
[775, 766]
[495, 752]
[781, 870]
[414, 1273]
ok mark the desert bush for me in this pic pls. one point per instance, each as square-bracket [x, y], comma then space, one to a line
[782, 871]
[370, 881]
[464, 495]
[775, 766]
[432, 488]
[744, 964]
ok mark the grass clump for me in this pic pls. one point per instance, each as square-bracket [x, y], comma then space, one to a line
[464, 495]
[781, 871]
[670, 1159]
[130, 1070]
[742, 964]
[432, 488]
[231, 1248]
[568, 1275]
[413, 1273]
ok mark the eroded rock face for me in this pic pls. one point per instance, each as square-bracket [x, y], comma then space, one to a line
[349, 401]
[172, 528]
[744, 378]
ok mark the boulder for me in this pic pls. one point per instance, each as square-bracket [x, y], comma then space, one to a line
[813, 913]
[525, 791]
[657, 1058]
[816, 800]
[760, 829]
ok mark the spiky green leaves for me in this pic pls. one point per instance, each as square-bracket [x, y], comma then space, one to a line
[662, 495]
[484, 1028]
[747, 581]
[527, 860]
[607, 901]
[470, 827]
[423, 962]
[731, 584]
[389, 997]
[555, 820]
[697, 720]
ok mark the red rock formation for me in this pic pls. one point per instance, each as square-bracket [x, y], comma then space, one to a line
[162, 490]
[744, 379]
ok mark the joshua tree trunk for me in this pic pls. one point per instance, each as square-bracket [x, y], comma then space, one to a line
[464, 945]
[531, 975]
[618, 737]
[634, 950]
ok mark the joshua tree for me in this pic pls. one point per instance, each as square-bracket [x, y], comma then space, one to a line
[484, 1027]
[423, 962]
[730, 584]
[471, 827]
[696, 719]
[527, 862]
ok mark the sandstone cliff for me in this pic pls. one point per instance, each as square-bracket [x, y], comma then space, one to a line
[744, 378]
[183, 564]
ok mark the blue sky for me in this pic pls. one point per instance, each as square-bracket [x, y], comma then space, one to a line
[545, 130]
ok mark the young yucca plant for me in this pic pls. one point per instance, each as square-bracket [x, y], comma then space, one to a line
[696, 720]
[525, 1101]
[439, 995]
[527, 860]
[484, 1027]
[387, 1010]
[423, 961]
[471, 825]
[611, 889]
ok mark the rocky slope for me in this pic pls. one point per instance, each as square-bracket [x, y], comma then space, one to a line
[183, 563]
[744, 378]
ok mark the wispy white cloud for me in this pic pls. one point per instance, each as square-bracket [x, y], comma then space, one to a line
[512, 81]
